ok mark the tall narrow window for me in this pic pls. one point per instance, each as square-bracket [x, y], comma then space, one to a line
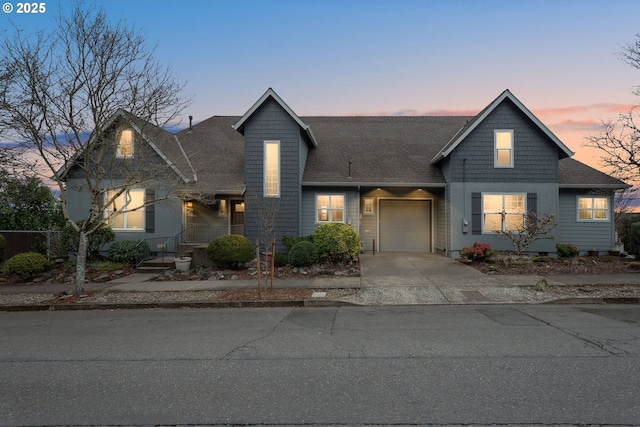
[272, 168]
[125, 143]
[503, 156]
[126, 211]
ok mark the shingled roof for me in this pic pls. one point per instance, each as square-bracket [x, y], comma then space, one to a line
[574, 174]
[383, 150]
[389, 150]
[216, 152]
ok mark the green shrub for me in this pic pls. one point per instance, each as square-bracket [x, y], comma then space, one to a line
[230, 250]
[26, 263]
[38, 246]
[129, 251]
[71, 239]
[3, 245]
[303, 254]
[280, 260]
[566, 250]
[477, 252]
[289, 242]
[634, 238]
[336, 242]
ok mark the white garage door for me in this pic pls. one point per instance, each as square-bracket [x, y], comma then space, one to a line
[405, 225]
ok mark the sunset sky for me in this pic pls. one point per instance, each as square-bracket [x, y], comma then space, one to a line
[560, 58]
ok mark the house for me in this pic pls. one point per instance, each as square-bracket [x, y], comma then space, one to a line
[426, 184]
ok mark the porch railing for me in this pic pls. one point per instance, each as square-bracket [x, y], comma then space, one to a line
[204, 233]
[192, 235]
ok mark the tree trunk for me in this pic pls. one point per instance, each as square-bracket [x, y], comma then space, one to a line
[81, 263]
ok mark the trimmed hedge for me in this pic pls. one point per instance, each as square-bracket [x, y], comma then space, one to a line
[336, 242]
[303, 254]
[230, 250]
[26, 263]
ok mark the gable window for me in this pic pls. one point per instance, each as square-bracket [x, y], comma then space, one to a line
[503, 212]
[126, 211]
[593, 209]
[272, 168]
[503, 153]
[330, 208]
[125, 143]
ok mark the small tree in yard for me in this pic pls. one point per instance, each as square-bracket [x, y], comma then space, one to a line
[56, 88]
[533, 228]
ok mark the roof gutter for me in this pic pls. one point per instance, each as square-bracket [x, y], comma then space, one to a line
[374, 184]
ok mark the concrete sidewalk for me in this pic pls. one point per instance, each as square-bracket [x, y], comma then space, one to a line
[386, 279]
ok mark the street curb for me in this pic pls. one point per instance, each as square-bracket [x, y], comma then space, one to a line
[175, 304]
[271, 304]
[595, 300]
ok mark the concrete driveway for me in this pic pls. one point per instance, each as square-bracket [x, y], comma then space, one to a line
[390, 278]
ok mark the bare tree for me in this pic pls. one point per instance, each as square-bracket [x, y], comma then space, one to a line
[619, 140]
[619, 144]
[60, 87]
[534, 227]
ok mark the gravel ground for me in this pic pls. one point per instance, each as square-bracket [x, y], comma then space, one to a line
[183, 296]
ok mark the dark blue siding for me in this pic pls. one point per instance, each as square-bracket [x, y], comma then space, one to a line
[535, 155]
[271, 122]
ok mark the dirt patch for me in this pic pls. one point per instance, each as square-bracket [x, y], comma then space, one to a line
[543, 266]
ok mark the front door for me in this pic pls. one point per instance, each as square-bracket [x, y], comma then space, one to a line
[237, 217]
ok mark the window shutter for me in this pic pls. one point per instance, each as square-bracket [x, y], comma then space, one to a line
[532, 204]
[150, 211]
[476, 213]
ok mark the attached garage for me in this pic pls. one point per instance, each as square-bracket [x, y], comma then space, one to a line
[405, 225]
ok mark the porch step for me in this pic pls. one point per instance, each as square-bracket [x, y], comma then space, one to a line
[156, 265]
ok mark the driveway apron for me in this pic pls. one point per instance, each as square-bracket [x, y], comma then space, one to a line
[393, 278]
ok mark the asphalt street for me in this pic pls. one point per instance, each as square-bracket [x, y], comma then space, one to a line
[437, 365]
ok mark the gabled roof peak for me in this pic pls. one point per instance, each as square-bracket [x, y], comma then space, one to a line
[471, 125]
[270, 93]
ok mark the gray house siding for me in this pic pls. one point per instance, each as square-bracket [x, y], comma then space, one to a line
[167, 214]
[271, 123]
[535, 156]
[308, 209]
[586, 235]
[461, 211]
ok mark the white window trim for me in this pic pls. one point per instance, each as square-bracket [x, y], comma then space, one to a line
[124, 212]
[118, 152]
[264, 172]
[482, 211]
[330, 195]
[495, 148]
[592, 209]
[368, 201]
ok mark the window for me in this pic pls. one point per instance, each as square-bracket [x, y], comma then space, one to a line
[272, 168]
[129, 206]
[125, 143]
[503, 156]
[330, 208]
[593, 209]
[503, 212]
[368, 205]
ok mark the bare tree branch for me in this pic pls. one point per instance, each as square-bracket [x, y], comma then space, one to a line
[58, 88]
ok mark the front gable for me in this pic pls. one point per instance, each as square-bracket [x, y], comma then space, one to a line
[473, 153]
[528, 155]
